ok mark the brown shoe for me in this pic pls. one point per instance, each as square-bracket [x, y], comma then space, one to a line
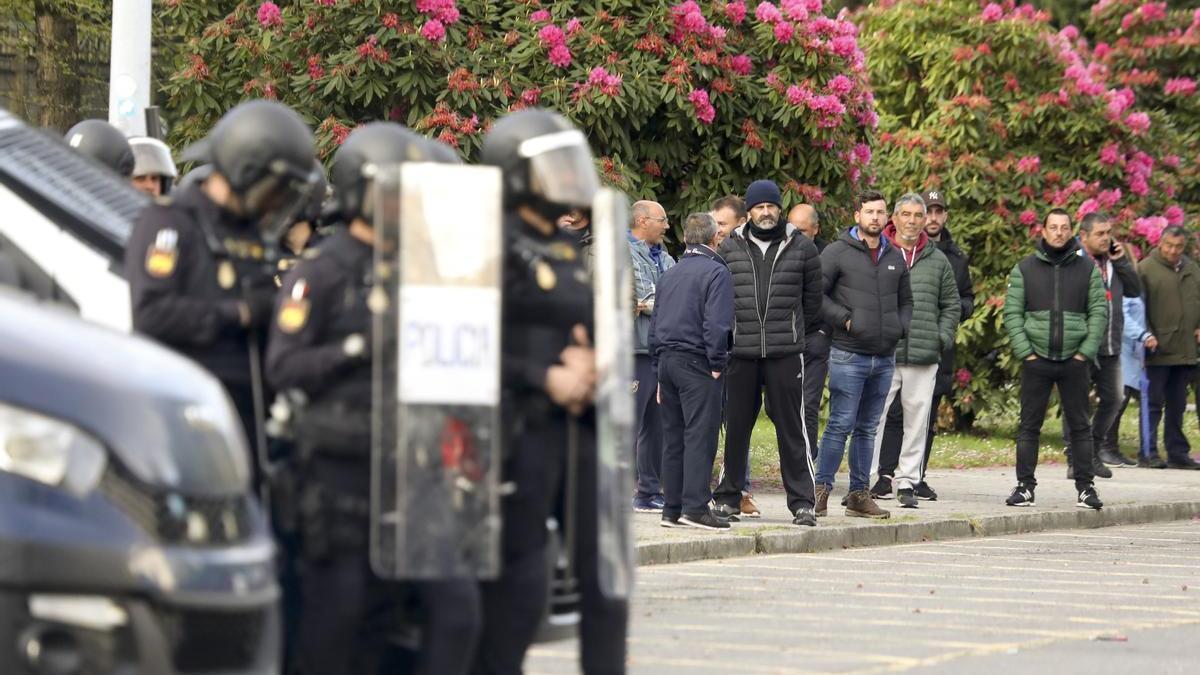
[860, 505]
[749, 508]
[822, 506]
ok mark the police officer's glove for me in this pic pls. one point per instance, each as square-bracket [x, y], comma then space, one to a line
[355, 347]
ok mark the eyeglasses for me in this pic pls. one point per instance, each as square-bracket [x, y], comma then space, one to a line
[662, 218]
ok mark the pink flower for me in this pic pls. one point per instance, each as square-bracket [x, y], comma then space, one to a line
[1183, 86]
[433, 30]
[1138, 123]
[531, 96]
[797, 96]
[840, 85]
[844, 46]
[1069, 33]
[444, 11]
[1102, 50]
[573, 27]
[716, 32]
[862, 153]
[963, 376]
[735, 11]
[1139, 186]
[1171, 161]
[1174, 215]
[1088, 206]
[551, 36]
[1109, 198]
[1110, 154]
[611, 85]
[796, 10]
[560, 55]
[269, 15]
[784, 31]
[867, 118]
[540, 16]
[1119, 100]
[1150, 228]
[741, 64]
[1075, 186]
[767, 13]
[327, 3]
[704, 109]
[1029, 164]
[992, 12]
[1028, 217]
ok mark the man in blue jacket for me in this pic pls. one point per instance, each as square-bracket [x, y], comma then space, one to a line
[689, 344]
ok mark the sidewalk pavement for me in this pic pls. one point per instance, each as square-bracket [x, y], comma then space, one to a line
[970, 504]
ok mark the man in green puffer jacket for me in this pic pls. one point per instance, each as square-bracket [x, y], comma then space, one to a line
[1055, 314]
[935, 314]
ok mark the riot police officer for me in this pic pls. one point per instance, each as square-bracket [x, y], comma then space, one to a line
[548, 379]
[320, 345]
[200, 275]
[104, 143]
[153, 169]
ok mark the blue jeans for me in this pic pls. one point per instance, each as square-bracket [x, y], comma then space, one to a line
[858, 387]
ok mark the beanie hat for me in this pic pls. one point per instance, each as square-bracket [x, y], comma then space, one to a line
[763, 192]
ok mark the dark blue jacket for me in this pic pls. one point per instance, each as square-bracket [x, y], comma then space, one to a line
[693, 310]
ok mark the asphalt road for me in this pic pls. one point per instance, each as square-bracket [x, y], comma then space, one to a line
[1109, 600]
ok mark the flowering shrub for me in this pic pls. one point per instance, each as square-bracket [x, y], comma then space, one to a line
[1010, 118]
[683, 101]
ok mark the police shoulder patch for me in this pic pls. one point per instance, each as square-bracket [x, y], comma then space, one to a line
[293, 312]
[163, 254]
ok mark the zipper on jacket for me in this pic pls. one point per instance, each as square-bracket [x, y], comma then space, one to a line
[762, 338]
[771, 282]
[1056, 339]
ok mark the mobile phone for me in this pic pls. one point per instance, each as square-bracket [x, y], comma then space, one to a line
[1114, 247]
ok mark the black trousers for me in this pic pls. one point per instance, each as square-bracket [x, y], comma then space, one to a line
[1106, 378]
[816, 369]
[1112, 439]
[783, 380]
[513, 605]
[1037, 378]
[1168, 401]
[691, 414]
[348, 614]
[649, 446]
[893, 434]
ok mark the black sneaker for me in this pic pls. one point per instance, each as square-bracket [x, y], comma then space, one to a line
[1113, 458]
[1088, 499]
[923, 491]
[705, 521]
[906, 498]
[805, 516]
[882, 488]
[1022, 495]
[670, 521]
[1151, 462]
[727, 512]
[845, 499]
[1183, 463]
[1099, 469]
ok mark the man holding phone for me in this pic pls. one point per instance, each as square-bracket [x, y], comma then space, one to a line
[1120, 281]
[648, 225]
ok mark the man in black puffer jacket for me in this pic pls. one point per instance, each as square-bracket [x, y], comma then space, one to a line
[868, 304]
[777, 297]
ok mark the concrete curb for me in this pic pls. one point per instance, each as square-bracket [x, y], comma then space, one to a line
[884, 533]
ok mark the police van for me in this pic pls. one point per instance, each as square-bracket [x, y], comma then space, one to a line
[64, 221]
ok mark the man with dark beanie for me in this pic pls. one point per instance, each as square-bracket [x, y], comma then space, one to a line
[1056, 315]
[777, 300]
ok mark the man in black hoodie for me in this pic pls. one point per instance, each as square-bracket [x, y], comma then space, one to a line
[777, 297]
[868, 305]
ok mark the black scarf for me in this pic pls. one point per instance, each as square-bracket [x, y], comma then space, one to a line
[766, 235]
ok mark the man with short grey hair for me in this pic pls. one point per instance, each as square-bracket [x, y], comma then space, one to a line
[935, 313]
[647, 227]
[689, 345]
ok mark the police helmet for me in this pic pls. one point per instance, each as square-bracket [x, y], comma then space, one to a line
[365, 149]
[104, 143]
[320, 189]
[196, 176]
[266, 153]
[545, 160]
[152, 157]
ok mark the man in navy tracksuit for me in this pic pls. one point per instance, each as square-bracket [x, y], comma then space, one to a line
[689, 345]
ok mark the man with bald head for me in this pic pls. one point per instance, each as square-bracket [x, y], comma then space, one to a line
[804, 217]
[648, 227]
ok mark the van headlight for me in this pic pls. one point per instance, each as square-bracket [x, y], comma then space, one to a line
[49, 450]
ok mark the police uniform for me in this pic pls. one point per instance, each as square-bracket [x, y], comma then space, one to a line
[319, 345]
[190, 266]
[547, 292]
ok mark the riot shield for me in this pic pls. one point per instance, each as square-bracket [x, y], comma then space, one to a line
[435, 452]
[613, 284]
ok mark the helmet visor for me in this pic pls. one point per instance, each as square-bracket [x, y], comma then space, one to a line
[561, 169]
[280, 196]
